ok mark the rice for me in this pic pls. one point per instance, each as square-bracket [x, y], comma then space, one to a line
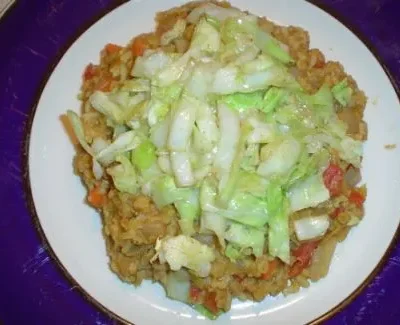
[132, 224]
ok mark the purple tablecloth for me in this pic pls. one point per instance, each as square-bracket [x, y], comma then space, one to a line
[33, 35]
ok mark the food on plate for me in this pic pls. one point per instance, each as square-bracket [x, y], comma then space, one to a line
[224, 156]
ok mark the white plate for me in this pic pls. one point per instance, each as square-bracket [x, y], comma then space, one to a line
[73, 229]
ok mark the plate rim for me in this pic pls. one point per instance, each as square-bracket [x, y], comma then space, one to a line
[27, 182]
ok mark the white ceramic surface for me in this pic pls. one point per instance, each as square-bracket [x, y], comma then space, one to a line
[74, 230]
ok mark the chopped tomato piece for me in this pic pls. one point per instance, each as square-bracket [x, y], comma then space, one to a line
[194, 293]
[295, 269]
[333, 179]
[336, 212]
[104, 85]
[139, 46]
[319, 64]
[357, 198]
[97, 197]
[304, 252]
[272, 266]
[112, 48]
[238, 278]
[90, 72]
[303, 255]
[210, 302]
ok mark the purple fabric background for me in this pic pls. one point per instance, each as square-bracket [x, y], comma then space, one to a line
[33, 34]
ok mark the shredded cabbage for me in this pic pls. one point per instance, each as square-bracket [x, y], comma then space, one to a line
[247, 210]
[189, 210]
[215, 223]
[278, 231]
[342, 92]
[271, 46]
[229, 125]
[178, 285]
[225, 134]
[206, 38]
[144, 155]
[77, 126]
[308, 193]
[174, 33]
[232, 252]
[148, 65]
[311, 227]
[216, 12]
[162, 99]
[246, 237]
[279, 157]
[183, 251]
[182, 124]
[244, 101]
[124, 175]
[164, 191]
[123, 143]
